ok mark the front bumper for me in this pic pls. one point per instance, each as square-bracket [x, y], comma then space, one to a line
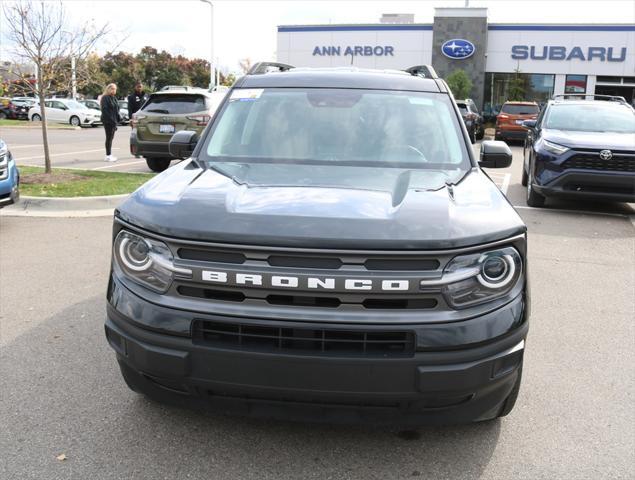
[551, 179]
[435, 385]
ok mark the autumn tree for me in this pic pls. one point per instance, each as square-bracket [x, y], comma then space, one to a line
[40, 35]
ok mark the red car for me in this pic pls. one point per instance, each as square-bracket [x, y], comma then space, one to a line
[512, 115]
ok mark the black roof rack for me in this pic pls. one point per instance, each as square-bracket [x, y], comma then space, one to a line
[425, 71]
[264, 67]
[612, 98]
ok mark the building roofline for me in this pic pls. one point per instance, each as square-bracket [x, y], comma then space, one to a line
[618, 27]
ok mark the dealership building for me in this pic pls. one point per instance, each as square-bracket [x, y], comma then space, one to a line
[550, 59]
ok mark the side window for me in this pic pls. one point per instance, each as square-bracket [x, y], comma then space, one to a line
[48, 104]
[58, 105]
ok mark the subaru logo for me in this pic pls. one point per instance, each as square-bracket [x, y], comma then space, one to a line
[606, 154]
[458, 48]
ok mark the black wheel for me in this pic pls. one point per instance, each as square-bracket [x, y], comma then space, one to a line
[498, 137]
[472, 136]
[158, 164]
[524, 178]
[36, 118]
[480, 133]
[75, 121]
[510, 401]
[3, 115]
[534, 199]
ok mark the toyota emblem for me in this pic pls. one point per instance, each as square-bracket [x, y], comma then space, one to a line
[606, 154]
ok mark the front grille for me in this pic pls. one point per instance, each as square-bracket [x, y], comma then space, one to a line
[328, 270]
[304, 341]
[618, 163]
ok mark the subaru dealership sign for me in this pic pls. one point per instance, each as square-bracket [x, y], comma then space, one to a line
[458, 48]
[602, 54]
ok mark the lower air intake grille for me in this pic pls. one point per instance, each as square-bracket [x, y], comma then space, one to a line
[307, 341]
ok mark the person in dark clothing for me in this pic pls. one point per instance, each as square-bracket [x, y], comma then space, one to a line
[136, 99]
[110, 118]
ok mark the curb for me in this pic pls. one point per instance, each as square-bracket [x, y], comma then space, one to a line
[64, 207]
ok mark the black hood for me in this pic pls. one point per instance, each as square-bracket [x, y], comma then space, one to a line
[322, 207]
[591, 140]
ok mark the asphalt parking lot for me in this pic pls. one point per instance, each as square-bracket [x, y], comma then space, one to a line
[61, 392]
[81, 148]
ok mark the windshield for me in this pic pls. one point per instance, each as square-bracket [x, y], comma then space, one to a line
[175, 104]
[345, 127]
[75, 105]
[515, 109]
[594, 117]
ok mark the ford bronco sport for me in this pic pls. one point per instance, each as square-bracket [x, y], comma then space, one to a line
[329, 249]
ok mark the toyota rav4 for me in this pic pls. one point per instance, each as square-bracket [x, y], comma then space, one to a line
[330, 249]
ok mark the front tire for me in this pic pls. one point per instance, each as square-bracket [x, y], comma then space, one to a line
[36, 118]
[158, 164]
[480, 133]
[3, 116]
[75, 121]
[472, 136]
[534, 199]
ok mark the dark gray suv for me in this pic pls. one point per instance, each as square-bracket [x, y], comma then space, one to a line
[330, 249]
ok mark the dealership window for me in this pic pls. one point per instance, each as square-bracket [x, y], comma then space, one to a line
[500, 87]
[575, 84]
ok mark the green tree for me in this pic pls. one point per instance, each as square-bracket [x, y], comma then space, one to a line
[518, 87]
[459, 83]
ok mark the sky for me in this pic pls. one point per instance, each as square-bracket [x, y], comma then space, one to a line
[247, 29]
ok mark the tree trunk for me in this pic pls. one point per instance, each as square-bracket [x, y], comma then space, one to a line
[45, 134]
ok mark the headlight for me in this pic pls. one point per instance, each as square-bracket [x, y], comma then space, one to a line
[554, 147]
[146, 261]
[481, 277]
[3, 149]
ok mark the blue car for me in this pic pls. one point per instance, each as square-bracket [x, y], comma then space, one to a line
[9, 177]
[581, 148]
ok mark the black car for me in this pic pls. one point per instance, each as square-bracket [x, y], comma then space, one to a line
[329, 250]
[473, 119]
[581, 146]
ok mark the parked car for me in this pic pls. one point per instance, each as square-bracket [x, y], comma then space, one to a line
[331, 250]
[90, 103]
[509, 122]
[9, 177]
[472, 119]
[581, 147]
[63, 110]
[123, 112]
[165, 113]
[13, 110]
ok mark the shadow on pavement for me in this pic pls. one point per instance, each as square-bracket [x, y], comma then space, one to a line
[63, 393]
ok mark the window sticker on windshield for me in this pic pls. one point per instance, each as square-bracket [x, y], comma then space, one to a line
[246, 94]
[420, 101]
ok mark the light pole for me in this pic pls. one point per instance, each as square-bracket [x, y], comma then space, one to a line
[212, 77]
[73, 69]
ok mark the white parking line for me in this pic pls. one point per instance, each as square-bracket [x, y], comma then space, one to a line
[13, 147]
[505, 184]
[115, 164]
[38, 157]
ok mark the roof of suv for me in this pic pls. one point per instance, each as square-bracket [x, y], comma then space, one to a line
[347, 77]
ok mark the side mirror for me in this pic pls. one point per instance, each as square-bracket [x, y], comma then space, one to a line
[495, 154]
[182, 144]
[529, 124]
